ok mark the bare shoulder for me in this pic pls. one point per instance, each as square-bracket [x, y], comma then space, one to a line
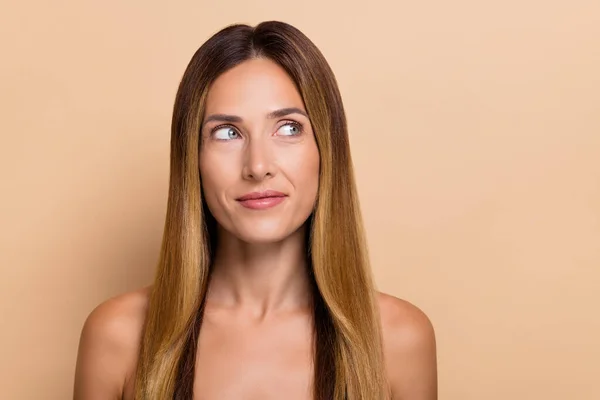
[109, 345]
[409, 349]
[403, 319]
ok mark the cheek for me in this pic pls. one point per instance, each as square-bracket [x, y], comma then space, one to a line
[314, 168]
[215, 180]
[307, 173]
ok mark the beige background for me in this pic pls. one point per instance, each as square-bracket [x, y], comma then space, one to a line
[475, 129]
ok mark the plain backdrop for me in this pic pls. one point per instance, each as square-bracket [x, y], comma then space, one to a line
[475, 132]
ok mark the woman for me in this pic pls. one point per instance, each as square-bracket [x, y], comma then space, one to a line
[263, 288]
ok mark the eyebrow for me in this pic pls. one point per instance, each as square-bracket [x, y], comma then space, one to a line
[286, 111]
[272, 115]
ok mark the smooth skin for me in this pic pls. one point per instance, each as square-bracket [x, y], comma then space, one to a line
[255, 341]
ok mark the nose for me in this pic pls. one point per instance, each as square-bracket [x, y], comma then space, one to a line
[258, 162]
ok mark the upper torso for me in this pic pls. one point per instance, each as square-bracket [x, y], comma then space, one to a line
[240, 359]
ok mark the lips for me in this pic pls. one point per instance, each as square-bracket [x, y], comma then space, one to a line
[261, 195]
[261, 200]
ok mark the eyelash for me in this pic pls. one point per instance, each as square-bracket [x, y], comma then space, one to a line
[287, 122]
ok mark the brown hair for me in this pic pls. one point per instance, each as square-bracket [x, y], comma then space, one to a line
[348, 355]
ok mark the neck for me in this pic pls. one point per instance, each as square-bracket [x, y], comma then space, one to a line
[261, 279]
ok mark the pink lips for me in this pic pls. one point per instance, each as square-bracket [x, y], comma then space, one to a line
[262, 200]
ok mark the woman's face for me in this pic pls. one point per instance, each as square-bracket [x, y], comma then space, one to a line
[259, 160]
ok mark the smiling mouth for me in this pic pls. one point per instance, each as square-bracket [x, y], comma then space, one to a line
[261, 200]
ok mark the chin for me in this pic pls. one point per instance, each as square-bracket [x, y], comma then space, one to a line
[261, 239]
[262, 236]
[265, 232]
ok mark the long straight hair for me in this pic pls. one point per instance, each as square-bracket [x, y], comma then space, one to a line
[348, 356]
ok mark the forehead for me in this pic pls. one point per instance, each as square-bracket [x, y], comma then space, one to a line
[256, 86]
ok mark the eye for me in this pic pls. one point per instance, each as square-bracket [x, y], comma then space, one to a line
[225, 133]
[290, 129]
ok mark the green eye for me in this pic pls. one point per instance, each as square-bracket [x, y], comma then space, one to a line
[226, 133]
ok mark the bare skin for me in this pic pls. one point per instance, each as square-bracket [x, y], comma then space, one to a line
[255, 341]
[275, 350]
